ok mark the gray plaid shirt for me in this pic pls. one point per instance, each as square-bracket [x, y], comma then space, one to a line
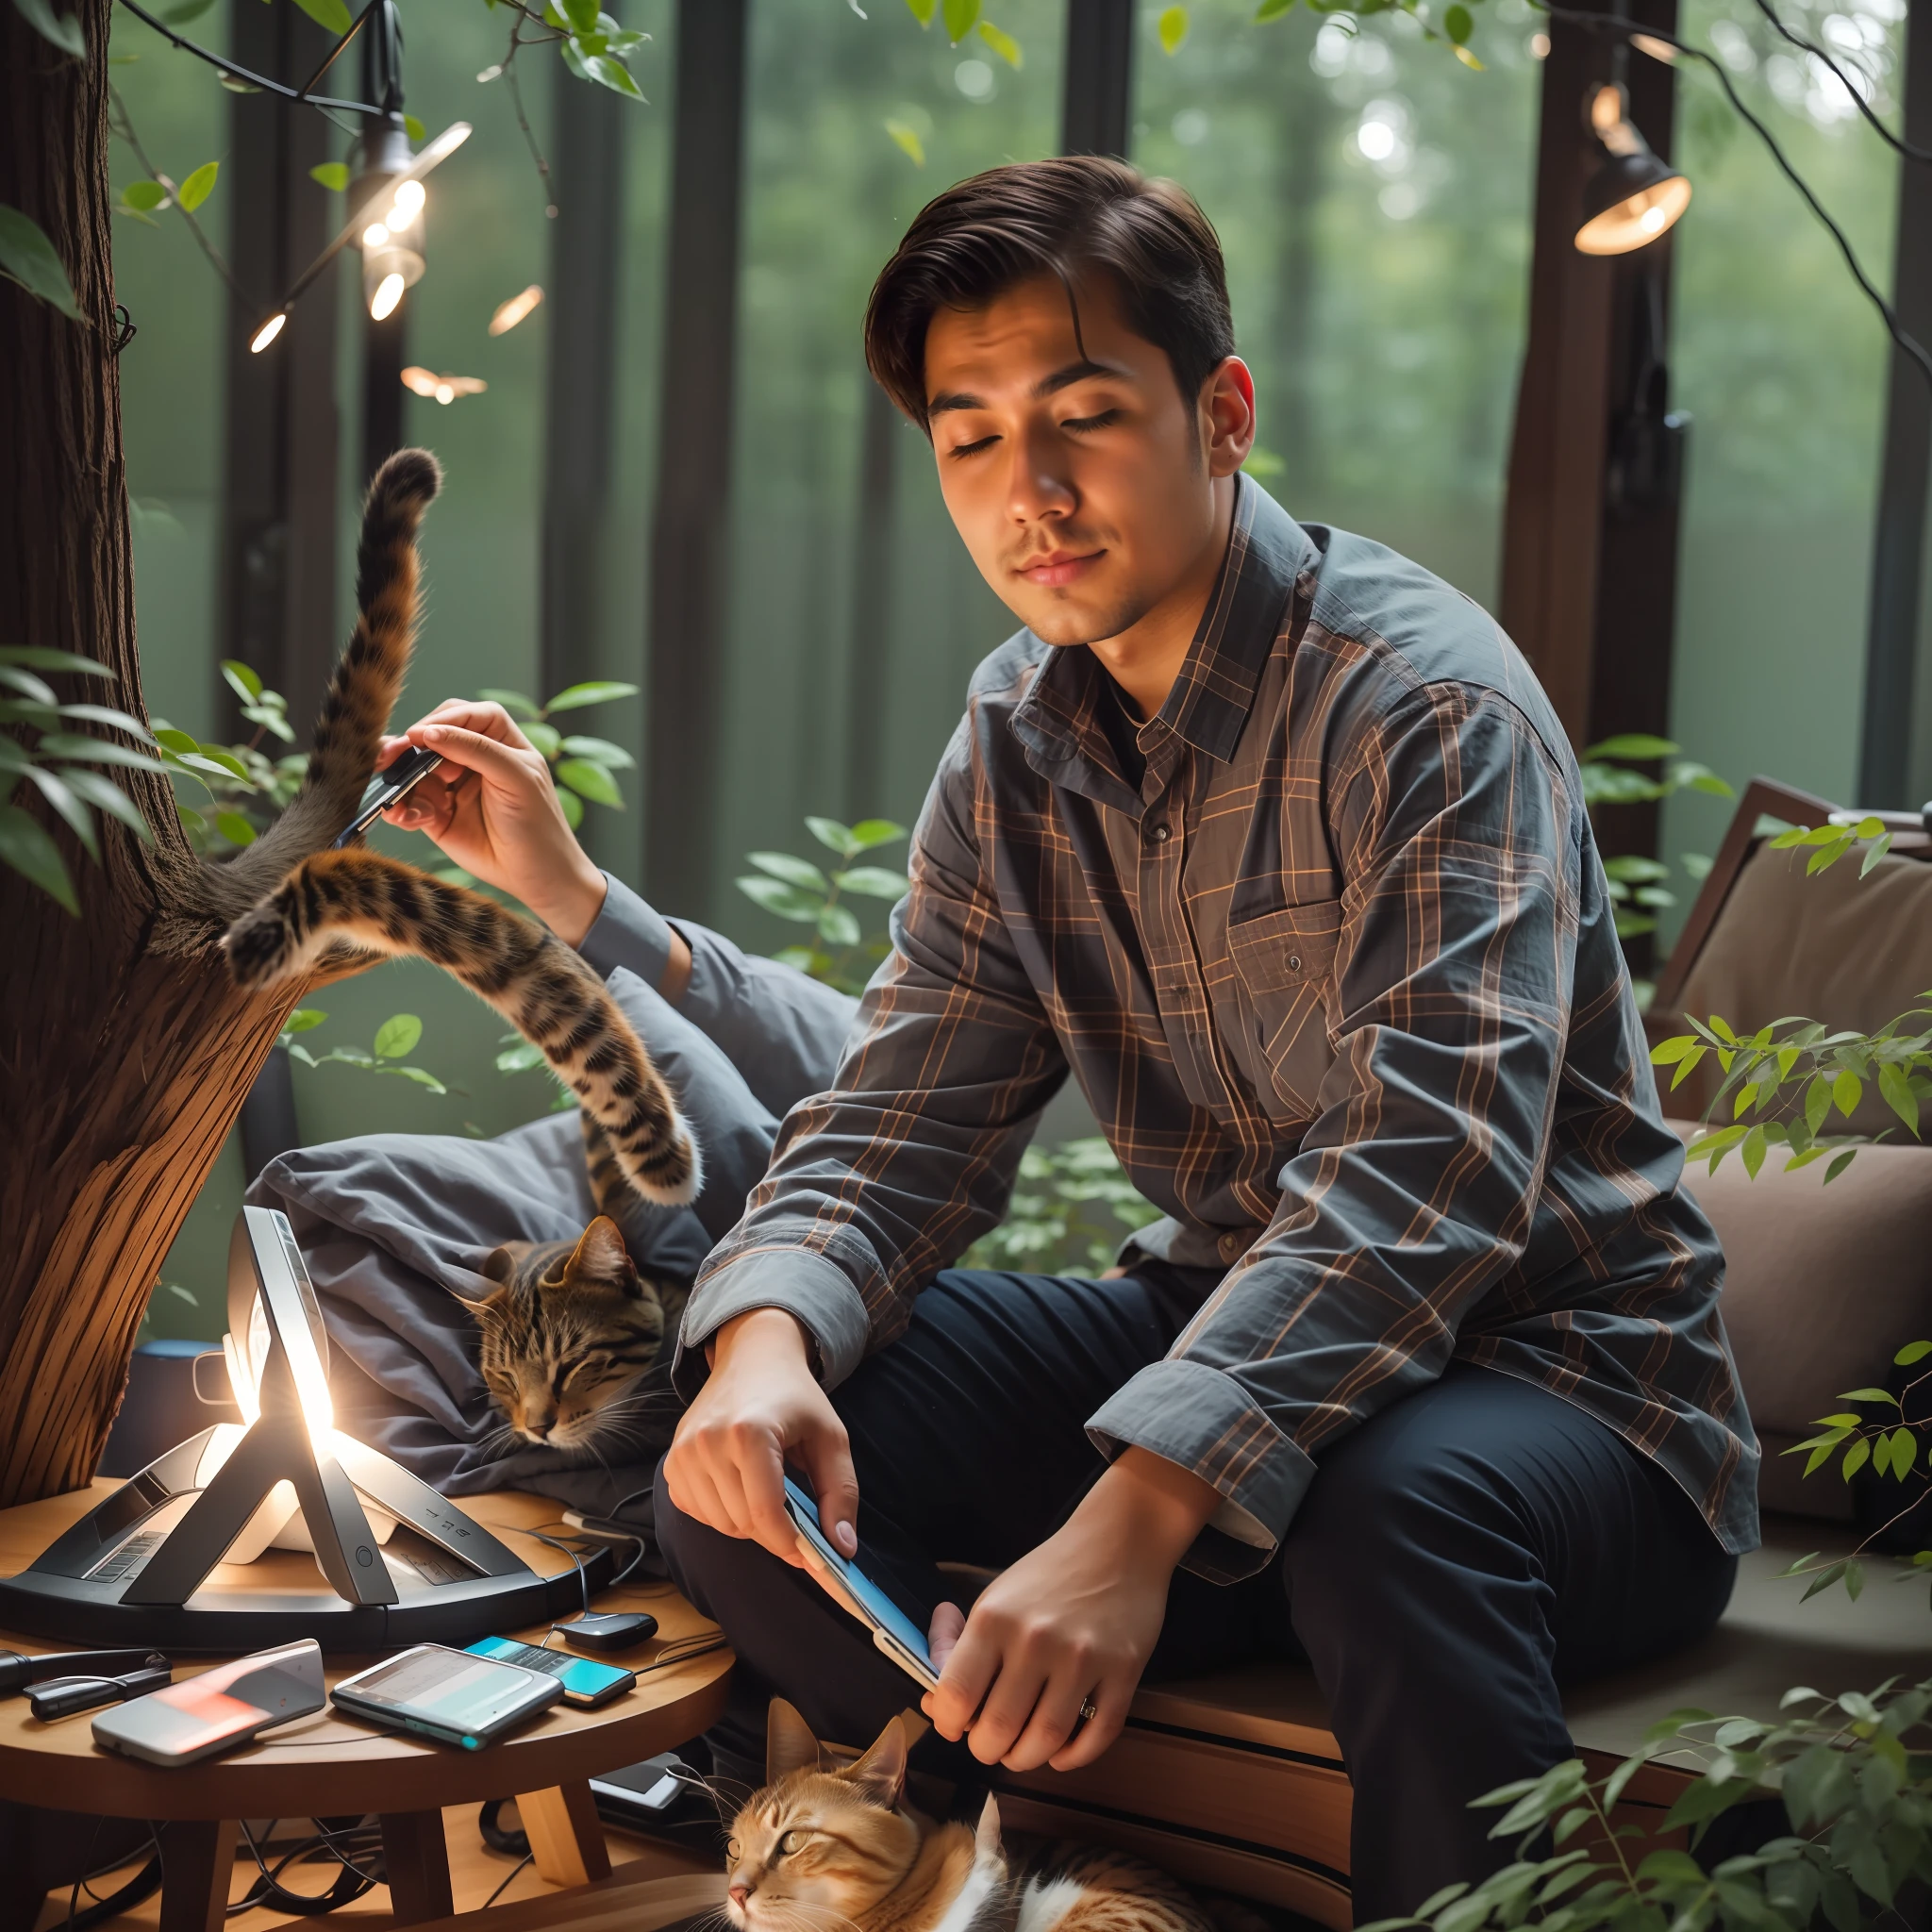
[1340, 981]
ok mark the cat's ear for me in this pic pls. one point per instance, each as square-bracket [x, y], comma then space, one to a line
[497, 1271]
[986, 1835]
[789, 1745]
[881, 1773]
[601, 1260]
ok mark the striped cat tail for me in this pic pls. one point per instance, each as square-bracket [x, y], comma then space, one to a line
[368, 902]
[361, 694]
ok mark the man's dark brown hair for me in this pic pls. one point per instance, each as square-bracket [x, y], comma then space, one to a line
[1067, 217]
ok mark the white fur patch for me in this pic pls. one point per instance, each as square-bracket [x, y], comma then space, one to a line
[1046, 1902]
[978, 1888]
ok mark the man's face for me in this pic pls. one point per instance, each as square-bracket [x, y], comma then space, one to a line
[1082, 483]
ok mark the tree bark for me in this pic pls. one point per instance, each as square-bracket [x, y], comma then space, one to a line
[120, 1067]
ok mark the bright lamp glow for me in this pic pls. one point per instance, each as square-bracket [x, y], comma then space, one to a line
[388, 292]
[1637, 219]
[268, 331]
[411, 195]
[375, 234]
[511, 312]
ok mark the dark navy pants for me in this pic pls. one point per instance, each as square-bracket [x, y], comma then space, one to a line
[1457, 1558]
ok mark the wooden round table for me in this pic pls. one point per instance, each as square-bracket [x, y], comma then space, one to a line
[327, 1765]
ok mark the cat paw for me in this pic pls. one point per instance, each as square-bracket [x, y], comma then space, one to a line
[260, 947]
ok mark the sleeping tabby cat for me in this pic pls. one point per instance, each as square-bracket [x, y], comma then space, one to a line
[570, 1336]
[334, 904]
[824, 1848]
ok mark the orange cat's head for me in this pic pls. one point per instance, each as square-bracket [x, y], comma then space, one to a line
[822, 1843]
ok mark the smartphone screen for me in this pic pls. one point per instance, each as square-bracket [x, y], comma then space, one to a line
[586, 1682]
[448, 1694]
[896, 1633]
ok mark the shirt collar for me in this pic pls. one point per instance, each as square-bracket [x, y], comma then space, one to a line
[1057, 720]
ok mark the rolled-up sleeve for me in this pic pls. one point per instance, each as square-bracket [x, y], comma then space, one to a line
[1412, 1193]
[910, 1155]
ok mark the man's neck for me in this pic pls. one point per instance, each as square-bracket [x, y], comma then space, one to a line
[1146, 657]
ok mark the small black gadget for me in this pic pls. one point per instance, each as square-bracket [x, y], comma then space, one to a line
[64, 1696]
[387, 786]
[18, 1672]
[642, 1794]
[447, 1694]
[619, 1630]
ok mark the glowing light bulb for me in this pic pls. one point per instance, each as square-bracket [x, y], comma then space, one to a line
[375, 235]
[1652, 221]
[389, 292]
[411, 195]
[268, 331]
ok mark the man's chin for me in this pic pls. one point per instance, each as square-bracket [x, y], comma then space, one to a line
[1064, 623]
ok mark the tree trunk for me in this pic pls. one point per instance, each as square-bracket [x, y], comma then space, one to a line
[121, 1068]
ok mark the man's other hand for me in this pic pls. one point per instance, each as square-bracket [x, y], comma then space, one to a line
[1073, 1623]
[492, 809]
[761, 1405]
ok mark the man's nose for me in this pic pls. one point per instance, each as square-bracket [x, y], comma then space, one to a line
[1036, 486]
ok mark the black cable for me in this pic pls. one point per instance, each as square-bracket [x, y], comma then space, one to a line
[240, 73]
[350, 1884]
[505, 1886]
[1864, 106]
[1602, 23]
[142, 1886]
[498, 1837]
[583, 1580]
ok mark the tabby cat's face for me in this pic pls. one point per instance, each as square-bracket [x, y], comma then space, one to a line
[815, 1851]
[566, 1330]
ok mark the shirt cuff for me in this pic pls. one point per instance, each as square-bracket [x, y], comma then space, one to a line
[1205, 1420]
[628, 931]
[816, 1290]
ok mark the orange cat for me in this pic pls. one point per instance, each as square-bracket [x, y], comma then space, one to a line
[830, 1848]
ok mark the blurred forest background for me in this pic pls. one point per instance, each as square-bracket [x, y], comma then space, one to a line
[1374, 198]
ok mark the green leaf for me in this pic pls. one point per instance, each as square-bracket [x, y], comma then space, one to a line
[581, 14]
[843, 839]
[303, 1020]
[44, 658]
[96, 751]
[1817, 1102]
[1856, 1456]
[1458, 25]
[837, 926]
[519, 1058]
[397, 1036]
[108, 797]
[106, 714]
[874, 882]
[1838, 1165]
[201, 184]
[334, 175]
[26, 846]
[600, 751]
[1631, 744]
[590, 782]
[27, 257]
[921, 10]
[331, 14]
[571, 805]
[1003, 44]
[144, 197]
[79, 820]
[794, 871]
[188, 9]
[61, 29]
[1752, 1152]
[1905, 1453]
[546, 738]
[596, 691]
[234, 828]
[958, 16]
[908, 141]
[242, 680]
[29, 685]
[1273, 9]
[514, 702]
[607, 71]
[1846, 1091]
[421, 1076]
[1912, 1352]
[788, 902]
[1898, 1093]
[413, 127]
[1877, 850]
[1173, 29]
[1869, 1395]
[871, 832]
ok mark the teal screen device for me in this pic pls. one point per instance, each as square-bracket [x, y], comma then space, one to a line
[448, 1695]
[586, 1682]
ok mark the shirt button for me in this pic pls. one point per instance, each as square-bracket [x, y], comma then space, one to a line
[1160, 832]
[1294, 962]
[1232, 1245]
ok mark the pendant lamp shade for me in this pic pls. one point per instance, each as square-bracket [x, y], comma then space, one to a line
[1630, 201]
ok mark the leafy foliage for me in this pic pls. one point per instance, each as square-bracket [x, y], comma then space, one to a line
[397, 1036]
[1854, 1774]
[520, 1056]
[1068, 1215]
[55, 759]
[1613, 774]
[839, 953]
[581, 768]
[244, 788]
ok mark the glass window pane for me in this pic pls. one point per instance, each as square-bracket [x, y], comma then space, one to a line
[1373, 196]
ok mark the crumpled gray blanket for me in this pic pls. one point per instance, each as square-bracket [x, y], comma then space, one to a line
[390, 1225]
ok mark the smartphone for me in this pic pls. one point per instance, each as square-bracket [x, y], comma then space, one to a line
[892, 1631]
[216, 1710]
[387, 786]
[586, 1682]
[448, 1695]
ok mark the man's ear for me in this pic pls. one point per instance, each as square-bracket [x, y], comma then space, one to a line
[881, 1773]
[601, 1260]
[1228, 410]
[789, 1745]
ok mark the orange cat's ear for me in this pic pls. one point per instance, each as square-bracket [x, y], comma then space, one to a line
[789, 1745]
[986, 1835]
[881, 1773]
[601, 1260]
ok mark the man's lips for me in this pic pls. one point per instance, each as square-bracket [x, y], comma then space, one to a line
[1059, 567]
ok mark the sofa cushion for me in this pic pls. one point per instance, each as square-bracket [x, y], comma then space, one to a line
[1823, 1285]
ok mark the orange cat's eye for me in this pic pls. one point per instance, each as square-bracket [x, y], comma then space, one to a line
[792, 1842]
[731, 1850]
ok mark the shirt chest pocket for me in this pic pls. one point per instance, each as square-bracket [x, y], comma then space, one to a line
[1283, 972]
